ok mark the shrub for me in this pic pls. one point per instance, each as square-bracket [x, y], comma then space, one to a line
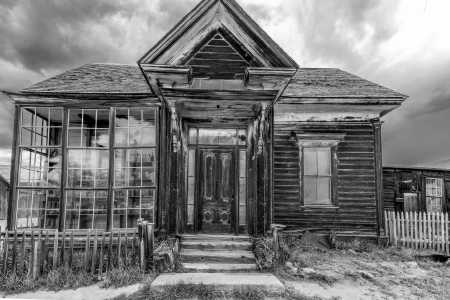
[265, 253]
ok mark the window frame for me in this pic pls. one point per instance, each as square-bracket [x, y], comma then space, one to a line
[330, 141]
[442, 192]
[62, 188]
[36, 150]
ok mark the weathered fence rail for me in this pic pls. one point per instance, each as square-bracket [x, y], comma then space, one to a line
[418, 230]
[35, 252]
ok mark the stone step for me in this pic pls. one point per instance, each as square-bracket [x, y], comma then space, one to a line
[223, 256]
[216, 244]
[218, 267]
[215, 237]
[221, 281]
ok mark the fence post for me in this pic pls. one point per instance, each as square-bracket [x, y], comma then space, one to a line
[142, 260]
[36, 257]
[149, 252]
[100, 263]
[23, 264]
[86, 251]
[442, 233]
[94, 252]
[55, 250]
[119, 249]
[5, 253]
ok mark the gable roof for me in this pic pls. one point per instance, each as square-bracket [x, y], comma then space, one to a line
[94, 79]
[209, 16]
[334, 83]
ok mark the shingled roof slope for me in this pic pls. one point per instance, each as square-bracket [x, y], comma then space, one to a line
[95, 79]
[334, 83]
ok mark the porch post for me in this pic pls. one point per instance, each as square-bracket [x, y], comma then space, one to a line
[12, 202]
[174, 209]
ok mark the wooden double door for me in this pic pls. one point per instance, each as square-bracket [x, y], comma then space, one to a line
[216, 186]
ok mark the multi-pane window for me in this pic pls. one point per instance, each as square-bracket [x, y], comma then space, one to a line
[317, 176]
[88, 156]
[40, 157]
[434, 194]
[87, 168]
[134, 166]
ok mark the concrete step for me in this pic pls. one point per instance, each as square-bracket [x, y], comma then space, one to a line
[216, 244]
[218, 267]
[215, 237]
[223, 256]
[221, 281]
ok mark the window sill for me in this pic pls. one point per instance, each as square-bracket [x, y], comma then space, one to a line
[324, 206]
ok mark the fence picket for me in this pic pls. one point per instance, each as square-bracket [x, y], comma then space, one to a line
[94, 252]
[418, 230]
[39, 251]
[5, 252]
[22, 256]
[86, 251]
[55, 250]
[446, 232]
[14, 252]
[101, 258]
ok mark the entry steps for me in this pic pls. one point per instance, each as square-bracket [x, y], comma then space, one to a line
[211, 253]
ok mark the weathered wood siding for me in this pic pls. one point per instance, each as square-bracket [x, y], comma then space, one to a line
[355, 179]
[397, 181]
[218, 59]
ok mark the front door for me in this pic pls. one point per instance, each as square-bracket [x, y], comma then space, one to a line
[216, 198]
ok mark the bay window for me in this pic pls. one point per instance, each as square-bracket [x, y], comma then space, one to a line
[39, 174]
[107, 160]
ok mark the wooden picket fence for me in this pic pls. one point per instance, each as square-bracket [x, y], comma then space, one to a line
[35, 252]
[418, 230]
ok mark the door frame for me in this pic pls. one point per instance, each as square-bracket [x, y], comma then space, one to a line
[236, 228]
[234, 207]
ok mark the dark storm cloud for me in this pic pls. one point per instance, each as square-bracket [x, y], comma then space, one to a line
[53, 34]
[332, 29]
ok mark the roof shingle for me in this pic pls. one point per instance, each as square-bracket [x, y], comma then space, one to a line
[95, 79]
[334, 83]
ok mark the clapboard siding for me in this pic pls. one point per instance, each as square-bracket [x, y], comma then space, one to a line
[397, 181]
[355, 182]
[218, 59]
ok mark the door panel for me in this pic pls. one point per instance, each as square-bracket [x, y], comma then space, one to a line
[217, 190]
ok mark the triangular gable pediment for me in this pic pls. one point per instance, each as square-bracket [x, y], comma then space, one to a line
[207, 19]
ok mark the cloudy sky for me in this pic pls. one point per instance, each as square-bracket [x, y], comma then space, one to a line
[404, 45]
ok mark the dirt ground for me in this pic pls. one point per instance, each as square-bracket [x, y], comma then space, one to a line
[373, 274]
[83, 293]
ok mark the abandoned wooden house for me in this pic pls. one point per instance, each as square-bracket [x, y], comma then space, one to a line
[416, 189]
[216, 129]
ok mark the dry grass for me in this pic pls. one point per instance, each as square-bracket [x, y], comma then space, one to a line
[389, 272]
